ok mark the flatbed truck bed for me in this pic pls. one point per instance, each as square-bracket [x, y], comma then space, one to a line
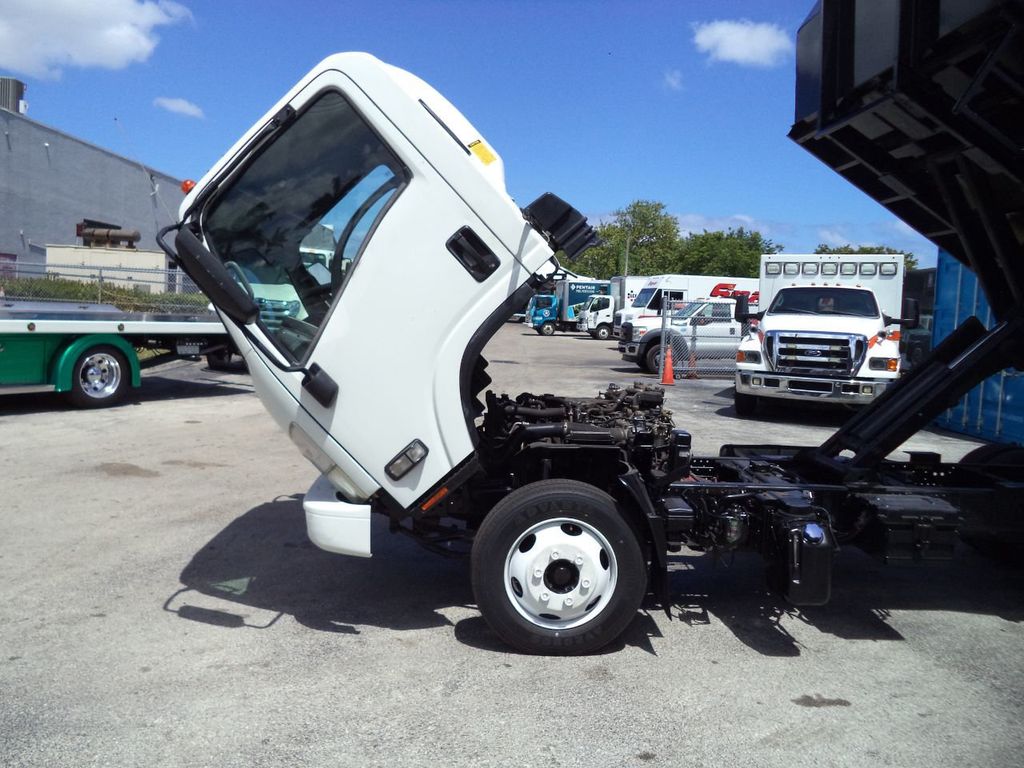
[90, 351]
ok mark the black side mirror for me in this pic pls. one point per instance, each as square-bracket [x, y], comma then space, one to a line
[911, 314]
[742, 308]
[214, 279]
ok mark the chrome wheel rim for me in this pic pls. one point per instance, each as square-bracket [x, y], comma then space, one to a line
[100, 375]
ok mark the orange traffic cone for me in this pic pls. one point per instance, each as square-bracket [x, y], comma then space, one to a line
[667, 377]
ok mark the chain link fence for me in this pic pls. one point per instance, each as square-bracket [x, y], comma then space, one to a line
[703, 350]
[130, 289]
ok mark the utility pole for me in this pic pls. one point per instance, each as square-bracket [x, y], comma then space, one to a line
[629, 236]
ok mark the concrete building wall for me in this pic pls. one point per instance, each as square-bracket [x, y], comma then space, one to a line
[50, 181]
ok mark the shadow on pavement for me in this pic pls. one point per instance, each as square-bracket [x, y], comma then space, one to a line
[155, 388]
[865, 592]
[264, 560]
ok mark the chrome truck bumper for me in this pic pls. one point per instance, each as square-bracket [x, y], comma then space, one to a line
[852, 391]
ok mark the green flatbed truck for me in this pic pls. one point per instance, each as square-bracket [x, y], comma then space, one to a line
[89, 352]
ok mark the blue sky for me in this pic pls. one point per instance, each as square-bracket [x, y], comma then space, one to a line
[686, 102]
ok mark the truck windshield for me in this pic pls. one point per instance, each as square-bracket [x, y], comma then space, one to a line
[293, 223]
[597, 303]
[543, 302]
[644, 297]
[824, 301]
[688, 310]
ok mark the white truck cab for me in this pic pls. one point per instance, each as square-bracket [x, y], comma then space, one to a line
[828, 330]
[367, 153]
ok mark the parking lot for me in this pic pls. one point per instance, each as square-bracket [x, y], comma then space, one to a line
[161, 605]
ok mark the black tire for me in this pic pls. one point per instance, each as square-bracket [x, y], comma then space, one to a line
[101, 377]
[593, 575]
[225, 360]
[652, 357]
[995, 453]
[744, 404]
[1002, 545]
[547, 329]
[602, 333]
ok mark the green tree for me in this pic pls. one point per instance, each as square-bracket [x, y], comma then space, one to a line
[736, 253]
[909, 259]
[642, 233]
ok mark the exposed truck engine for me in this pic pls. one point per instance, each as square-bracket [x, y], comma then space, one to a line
[570, 506]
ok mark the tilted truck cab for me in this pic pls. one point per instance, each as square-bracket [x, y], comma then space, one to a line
[572, 504]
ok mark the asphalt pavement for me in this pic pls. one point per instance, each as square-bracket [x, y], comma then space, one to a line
[160, 605]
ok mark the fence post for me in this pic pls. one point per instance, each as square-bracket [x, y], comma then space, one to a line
[693, 354]
[99, 287]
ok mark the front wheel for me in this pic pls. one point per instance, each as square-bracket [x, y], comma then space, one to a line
[101, 377]
[547, 329]
[602, 333]
[556, 569]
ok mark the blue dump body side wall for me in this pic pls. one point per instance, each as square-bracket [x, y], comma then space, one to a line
[993, 410]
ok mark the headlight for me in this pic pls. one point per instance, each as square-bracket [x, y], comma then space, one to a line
[891, 364]
[638, 332]
[747, 357]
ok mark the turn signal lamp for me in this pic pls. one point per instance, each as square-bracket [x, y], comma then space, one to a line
[410, 456]
[187, 186]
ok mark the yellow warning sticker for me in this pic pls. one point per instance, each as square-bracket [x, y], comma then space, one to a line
[483, 152]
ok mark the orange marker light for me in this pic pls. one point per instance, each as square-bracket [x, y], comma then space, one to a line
[187, 186]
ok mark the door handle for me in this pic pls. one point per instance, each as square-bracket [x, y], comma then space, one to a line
[473, 254]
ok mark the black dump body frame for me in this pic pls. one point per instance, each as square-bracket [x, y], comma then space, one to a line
[918, 103]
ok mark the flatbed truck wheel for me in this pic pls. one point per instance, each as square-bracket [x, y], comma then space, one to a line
[100, 378]
[744, 404]
[556, 569]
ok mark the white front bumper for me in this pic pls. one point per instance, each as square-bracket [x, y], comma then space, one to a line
[334, 525]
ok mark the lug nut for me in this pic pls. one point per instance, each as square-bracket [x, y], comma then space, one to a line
[545, 596]
[579, 560]
[538, 573]
[554, 555]
[568, 601]
[586, 583]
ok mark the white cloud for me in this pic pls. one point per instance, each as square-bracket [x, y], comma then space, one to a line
[179, 107]
[743, 42]
[39, 38]
[674, 80]
[834, 237]
[695, 223]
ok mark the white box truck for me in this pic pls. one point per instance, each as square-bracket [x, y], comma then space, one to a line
[598, 316]
[828, 329]
[671, 291]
